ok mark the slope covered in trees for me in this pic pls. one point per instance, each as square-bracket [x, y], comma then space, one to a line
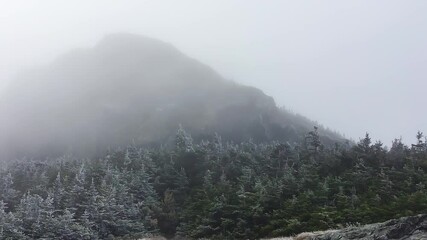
[133, 89]
[213, 189]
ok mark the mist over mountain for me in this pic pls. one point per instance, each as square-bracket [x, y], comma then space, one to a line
[134, 89]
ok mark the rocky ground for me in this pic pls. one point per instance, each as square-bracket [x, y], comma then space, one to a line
[406, 228]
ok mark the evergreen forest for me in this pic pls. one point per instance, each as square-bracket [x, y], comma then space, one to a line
[213, 189]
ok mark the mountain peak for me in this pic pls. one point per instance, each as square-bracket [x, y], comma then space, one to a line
[130, 37]
[134, 42]
[133, 88]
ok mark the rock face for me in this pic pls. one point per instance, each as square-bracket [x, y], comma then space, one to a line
[133, 89]
[409, 228]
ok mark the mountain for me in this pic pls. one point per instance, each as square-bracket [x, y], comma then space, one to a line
[134, 89]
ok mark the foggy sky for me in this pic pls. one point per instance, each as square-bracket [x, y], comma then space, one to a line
[355, 67]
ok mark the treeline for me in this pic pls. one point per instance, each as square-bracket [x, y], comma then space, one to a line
[213, 190]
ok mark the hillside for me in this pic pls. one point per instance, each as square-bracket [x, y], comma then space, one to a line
[134, 89]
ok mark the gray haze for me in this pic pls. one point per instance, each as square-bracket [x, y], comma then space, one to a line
[353, 66]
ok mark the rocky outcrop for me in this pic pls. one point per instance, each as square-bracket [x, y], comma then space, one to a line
[406, 228]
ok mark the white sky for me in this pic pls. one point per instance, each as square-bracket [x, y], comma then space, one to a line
[354, 66]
